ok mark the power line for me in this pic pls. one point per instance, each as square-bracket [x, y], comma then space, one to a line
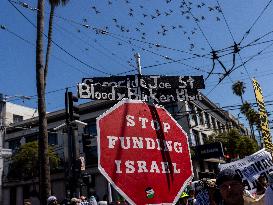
[222, 12]
[33, 44]
[196, 22]
[248, 31]
[60, 47]
[235, 44]
[165, 57]
[243, 63]
[90, 45]
[134, 39]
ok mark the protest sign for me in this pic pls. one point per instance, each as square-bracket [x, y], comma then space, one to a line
[251, 167]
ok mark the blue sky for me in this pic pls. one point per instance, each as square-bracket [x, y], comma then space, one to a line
[136, 26]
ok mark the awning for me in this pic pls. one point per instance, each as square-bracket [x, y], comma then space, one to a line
[215, 160]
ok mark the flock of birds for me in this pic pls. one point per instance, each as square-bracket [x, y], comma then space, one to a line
[143, 17]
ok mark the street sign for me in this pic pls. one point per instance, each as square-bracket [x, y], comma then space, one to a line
[160, 95]
[149, 81]
[152, 88]
[143, 152]
[212, 150]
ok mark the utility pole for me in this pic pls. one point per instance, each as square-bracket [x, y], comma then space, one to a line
[137, 56]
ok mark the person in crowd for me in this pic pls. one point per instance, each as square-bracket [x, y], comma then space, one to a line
[75, 201]
[27, 202]
[52, 200]
[83, 200]
[269, 190]
[261, 185]
[230, 187]
[92, 200]
[191, 200]
[183, 200]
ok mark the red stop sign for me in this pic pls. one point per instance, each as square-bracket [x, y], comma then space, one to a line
[143, 152]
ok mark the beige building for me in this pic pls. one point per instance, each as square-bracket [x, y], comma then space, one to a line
[10, 113]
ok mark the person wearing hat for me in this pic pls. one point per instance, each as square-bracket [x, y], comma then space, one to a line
[183, 200]
[231, 188]
[52, 200]
[268, 199]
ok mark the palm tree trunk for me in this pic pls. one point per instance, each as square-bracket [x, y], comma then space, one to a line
[49, 39]
[44, 182]
[241, 96]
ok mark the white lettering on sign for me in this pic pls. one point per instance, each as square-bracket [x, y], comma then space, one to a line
[130, 122]
[140, 143]
[95, 92]
[144, 167]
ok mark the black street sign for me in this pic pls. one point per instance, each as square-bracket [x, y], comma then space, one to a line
[149, 81]
[160, 95]
[212, 150]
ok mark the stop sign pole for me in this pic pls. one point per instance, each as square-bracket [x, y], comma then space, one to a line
[143, 152]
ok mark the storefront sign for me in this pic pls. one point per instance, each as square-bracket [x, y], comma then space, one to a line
[212, 150]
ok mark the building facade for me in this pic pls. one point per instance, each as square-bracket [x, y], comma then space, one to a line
[199, 119]
[10, 113]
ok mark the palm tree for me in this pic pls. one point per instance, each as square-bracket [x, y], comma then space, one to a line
[53, 5]
[249, 112]
[238, 89]
[44, 168]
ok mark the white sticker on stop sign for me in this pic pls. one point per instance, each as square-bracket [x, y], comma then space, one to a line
[143, 152]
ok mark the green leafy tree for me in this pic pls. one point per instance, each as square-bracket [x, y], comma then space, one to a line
[25, 163]
[246, 146]
[234, 144]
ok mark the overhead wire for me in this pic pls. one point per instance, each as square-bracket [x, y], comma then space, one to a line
[90, 45]
[60, 47]
[256, 20]
[194, 18]
[33, 44]
[160, 55]
[156, 45]
[234, 41]
[243, 63]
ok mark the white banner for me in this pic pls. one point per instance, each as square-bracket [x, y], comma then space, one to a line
[251, 167]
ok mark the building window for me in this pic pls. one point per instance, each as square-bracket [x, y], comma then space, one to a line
[17, 118]
[207, 119]
[14, 144]
[192, 115]
[200, 114]
[172, 109]
[52, 138]
[213, 123]
[196, 137]
[91, 129]
[204, 137]
[91, 156]
[220, 128]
